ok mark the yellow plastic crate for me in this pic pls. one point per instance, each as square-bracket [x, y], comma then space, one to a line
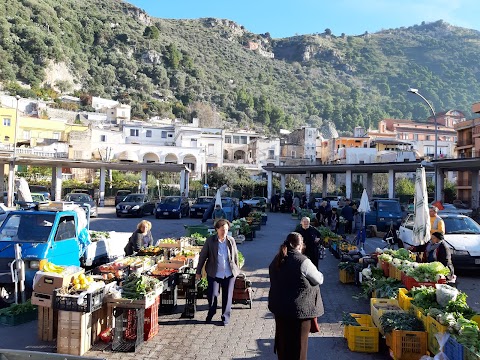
[361, 319]
[408, 345]
[434, 327]
[394, 272]
[346, 277]
[380, 306]
[404, 301]
[420, 314]
[363, 338]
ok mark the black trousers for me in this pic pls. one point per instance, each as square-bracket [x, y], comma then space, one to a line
[291, 338]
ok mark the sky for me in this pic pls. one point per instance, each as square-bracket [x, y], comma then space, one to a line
[282, 18]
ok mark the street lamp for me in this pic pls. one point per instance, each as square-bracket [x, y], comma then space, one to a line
[435, 155]
[11, 170]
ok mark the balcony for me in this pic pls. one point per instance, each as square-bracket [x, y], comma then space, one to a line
[461, 143]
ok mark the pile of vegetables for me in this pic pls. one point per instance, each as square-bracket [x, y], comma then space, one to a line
[98, 235]
[467, 334]
[349, 267]
[390, 255]
[348, 319]
[428, 272]
[399, 320]
[136, 287]
[424, 297]
[326, 232]
[386, 288]
[199, 239]
[17, 309]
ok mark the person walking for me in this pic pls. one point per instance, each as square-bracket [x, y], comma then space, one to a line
[436, 222]
[333, 220]
[294, 298]
[311, 239]
[142, 237]
[221, 257]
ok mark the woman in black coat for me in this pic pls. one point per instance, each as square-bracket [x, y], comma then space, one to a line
[436, 250]
[311, 239]
[141, 238]
[294, 298]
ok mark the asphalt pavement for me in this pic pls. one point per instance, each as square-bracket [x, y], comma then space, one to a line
[250, 333]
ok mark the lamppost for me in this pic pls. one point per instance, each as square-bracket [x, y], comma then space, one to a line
[11, 170]
[435, 155]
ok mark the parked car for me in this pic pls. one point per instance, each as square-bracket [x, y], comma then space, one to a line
[200, 205]
[462, 235]
[256, 201]
[383, 213]
[452, 209]
[459, 204]
[172, 206]
[38, 197]
[135, 205]
[120, 195]
[40, 189]
[81, 199]
[5, 197]
[231, 208]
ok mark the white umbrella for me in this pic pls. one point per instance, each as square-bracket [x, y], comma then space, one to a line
[363, 208]
[218, 196]
[421, 224]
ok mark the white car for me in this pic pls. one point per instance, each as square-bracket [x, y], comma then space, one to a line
[462, 235]
[452, 209]
[256, 200]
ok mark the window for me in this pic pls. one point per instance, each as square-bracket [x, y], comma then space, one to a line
[26, 134]
[236, 139]
[133, 132]
[193, 143]
[228, 139]
[415, 137]
[170, 135]
[294, 154]
[6, 122]
[243, 139]
[103, 138]
[427, 137]
[148, 133]
[56, 135]
[271, 154]
[211, 150]
[164, 135]
[66, 229]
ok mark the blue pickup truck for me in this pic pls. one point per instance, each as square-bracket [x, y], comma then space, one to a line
[57, 233]
[384, 212]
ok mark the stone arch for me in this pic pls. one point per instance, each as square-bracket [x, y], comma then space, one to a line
[190, 161]
[151, 158]
[239, 155]
[171, 158]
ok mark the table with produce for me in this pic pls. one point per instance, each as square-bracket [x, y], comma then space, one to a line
[412, 307]
[115, 305]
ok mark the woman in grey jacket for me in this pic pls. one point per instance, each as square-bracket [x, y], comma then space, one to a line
[221, 256]
[294, 298]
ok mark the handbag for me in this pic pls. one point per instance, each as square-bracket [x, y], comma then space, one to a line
[314, 328]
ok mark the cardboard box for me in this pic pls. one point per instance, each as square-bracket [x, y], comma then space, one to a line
[170, 265]
[45, 282]
[43, 300]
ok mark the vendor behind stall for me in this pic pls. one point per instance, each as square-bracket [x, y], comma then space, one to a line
[142, 237]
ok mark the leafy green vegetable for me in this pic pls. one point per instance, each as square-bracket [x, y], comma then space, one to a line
[17, 309]
[428, 272]
[348, 319]
[424, 297]
[349, 267]
[399, 320]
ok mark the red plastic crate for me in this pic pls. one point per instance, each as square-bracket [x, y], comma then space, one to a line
[410, 282]
[151, 320]
[385, 267]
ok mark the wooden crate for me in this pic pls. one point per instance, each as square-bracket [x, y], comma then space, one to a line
[47, 323]
[144, 303]
[101, 320]
[74, 332]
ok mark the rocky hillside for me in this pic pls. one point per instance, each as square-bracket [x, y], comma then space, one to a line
[219, 71]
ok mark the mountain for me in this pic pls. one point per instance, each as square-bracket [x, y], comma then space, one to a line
[217, 70]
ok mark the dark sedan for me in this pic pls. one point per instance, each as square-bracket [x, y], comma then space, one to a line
[172, 206]
[135, 205]
[80, 199]
[201, 204]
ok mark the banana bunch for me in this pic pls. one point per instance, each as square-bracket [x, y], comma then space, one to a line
[51, 267]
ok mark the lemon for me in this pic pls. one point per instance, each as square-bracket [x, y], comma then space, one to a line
[75, 281]
[81, 276]
[78, 286]
[90, 279]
